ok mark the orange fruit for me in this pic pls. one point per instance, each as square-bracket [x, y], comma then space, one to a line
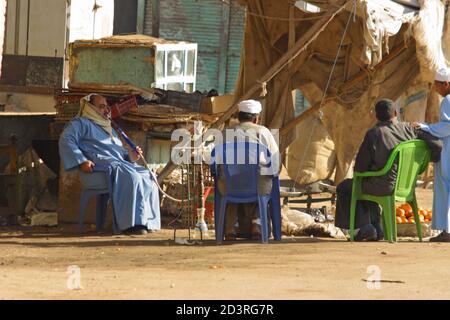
[404, 220]
[407, 207]
[411, 220]
[399, 220]
[421, 218]
[422, 212]
[400, 212]
[409, 214]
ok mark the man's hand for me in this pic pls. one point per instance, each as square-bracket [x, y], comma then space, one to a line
[87, 166]
[416, 125]
[133, 155]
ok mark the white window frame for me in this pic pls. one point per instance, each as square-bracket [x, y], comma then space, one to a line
[163, 82]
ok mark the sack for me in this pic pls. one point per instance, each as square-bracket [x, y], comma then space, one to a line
[311, 157]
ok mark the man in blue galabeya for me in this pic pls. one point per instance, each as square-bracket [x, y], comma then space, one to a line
[89, 140]
[441, 129]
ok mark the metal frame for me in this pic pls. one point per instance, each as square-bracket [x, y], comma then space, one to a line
[184, 79]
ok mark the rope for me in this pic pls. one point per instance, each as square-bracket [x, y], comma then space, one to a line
[295, 55]
[287, 19]
[153, 175]
[326, 89]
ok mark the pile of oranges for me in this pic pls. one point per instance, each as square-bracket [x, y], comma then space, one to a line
[405, 214]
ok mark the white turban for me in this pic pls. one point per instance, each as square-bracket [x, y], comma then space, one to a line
[443, 75]
[250, 106]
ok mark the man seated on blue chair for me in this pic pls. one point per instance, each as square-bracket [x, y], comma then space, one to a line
[372, 156]
[248, 129]
[89, 140]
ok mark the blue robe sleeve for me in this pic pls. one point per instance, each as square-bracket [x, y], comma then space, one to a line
[440, 129]
[69, 150]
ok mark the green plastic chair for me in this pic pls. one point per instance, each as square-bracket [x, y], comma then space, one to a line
[413, 156]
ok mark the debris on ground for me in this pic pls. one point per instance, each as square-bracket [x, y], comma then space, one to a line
[384, 281]
[298, 223]
[186, 242]
[44, 219]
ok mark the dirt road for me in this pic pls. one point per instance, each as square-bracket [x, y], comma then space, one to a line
[40, 263]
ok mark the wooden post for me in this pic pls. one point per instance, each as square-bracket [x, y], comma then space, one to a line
[293, 52]
[13, 157]
[155, 18]
[357, 78]
[298, 47]
[346, 85]
[291, 40]
[140, 17]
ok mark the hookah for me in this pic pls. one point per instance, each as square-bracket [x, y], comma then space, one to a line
[201, 226]
[133, 146]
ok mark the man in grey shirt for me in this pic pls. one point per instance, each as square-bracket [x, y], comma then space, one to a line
[372, 156]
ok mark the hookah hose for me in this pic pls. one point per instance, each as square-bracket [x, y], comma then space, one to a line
[134, 148]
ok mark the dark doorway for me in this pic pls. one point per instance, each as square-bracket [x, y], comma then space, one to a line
[125, 16]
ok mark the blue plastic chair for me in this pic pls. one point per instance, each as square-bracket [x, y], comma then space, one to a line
[96, 184]
[241, 179]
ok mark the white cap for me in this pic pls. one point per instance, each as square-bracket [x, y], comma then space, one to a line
[443, 75]
[89, 96]
[250, 106]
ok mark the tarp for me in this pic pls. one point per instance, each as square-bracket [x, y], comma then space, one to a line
[387, 48]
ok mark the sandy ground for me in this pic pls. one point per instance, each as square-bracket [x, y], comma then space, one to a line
[50, 263]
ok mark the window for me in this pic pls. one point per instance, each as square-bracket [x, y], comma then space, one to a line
[303, 5]
[175, 67]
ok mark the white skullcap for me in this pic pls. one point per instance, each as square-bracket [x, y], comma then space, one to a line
[250, 106]
[443, 75]
[89, 96]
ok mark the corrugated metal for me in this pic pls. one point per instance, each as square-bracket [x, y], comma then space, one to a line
[201, 22]
[148, 18]
[237, 24]
[301, 104]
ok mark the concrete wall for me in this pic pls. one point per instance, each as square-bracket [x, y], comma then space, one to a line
[17, 102]
[34, 45]
[41, 33]
[37, 30]
[86, 24]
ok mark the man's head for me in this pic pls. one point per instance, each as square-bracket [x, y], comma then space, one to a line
[385, 110]
[441, 81]
[249, 111]
[100, 103]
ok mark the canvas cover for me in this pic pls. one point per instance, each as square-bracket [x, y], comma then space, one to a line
[389, 51]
